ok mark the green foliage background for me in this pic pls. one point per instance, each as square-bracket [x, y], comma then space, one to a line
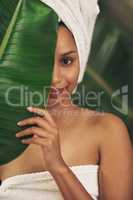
[110, 65]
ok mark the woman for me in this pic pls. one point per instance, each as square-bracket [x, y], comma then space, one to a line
[75, 153]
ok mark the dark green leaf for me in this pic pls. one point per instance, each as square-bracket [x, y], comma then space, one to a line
[28, 33]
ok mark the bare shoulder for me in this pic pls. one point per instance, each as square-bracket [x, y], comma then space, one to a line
[115, 144]
[111, 134]
[112, 121]
[113, 127]
[107, 125]
[111, 130]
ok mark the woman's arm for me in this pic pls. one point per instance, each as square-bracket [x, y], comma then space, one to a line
[116, 169]
[46, 135]
[69, 185]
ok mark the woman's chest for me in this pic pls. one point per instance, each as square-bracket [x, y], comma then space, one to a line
[77, 148]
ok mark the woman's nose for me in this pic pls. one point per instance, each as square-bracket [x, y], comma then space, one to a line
[57, 76]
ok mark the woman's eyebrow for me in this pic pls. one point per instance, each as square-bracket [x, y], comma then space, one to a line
[68, 52]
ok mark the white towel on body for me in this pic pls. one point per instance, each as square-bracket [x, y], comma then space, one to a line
[42, 186]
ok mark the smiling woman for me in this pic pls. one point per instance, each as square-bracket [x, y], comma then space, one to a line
[74, 153]
[66, 67]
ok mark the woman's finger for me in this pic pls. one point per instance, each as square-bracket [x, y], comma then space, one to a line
[42, 112]
[34, 130]
[36, 140]
[41, 122]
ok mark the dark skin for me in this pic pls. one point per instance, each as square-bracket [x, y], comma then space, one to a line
[105, 140]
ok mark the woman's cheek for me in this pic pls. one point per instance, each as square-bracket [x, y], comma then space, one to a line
[72, 81]
[71, 77]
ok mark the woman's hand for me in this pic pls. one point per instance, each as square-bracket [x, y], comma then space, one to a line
[45, 134]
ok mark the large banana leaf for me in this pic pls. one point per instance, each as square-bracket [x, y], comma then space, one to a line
[28, 33]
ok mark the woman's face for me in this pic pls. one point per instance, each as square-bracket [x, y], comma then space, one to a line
[66, 65]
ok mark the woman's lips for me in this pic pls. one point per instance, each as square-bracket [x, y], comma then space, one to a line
[54, 92]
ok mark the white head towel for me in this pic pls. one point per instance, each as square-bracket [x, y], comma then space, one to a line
[80, 17]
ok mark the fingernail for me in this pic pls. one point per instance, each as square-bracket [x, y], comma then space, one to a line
[19, 123]
[29, 108]
[23, 141]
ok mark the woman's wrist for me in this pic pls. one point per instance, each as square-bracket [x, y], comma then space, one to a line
[59, 168]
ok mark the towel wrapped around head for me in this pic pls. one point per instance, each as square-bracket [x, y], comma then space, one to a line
[80, 17]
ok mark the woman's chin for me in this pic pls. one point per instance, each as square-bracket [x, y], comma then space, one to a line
[62, 100]
[53, 100]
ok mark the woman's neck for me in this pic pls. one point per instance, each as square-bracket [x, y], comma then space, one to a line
[63, 111]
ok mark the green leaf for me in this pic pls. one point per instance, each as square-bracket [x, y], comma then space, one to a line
[28, 34]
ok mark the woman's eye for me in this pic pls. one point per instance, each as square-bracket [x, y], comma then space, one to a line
[66, 61]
